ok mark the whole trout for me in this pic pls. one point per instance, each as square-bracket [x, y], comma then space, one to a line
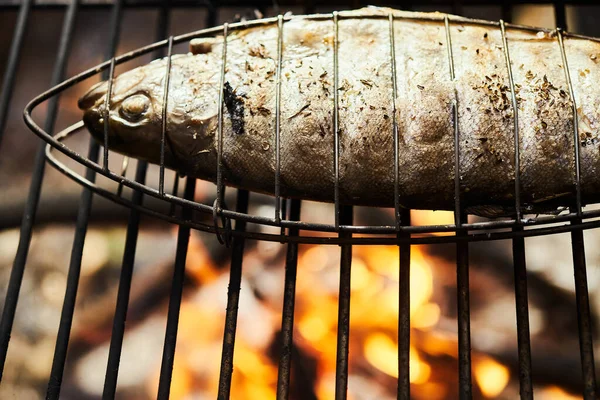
[424, 103]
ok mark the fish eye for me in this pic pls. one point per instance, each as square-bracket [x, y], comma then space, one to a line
[134, 107]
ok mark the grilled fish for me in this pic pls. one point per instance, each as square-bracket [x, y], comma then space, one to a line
[425, 54]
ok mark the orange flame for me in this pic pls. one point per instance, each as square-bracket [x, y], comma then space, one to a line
[491, 376]
[556, 393]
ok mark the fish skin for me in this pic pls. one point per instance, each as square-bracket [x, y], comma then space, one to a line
[424, 112]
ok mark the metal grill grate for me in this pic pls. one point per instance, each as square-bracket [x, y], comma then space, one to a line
[287, 217]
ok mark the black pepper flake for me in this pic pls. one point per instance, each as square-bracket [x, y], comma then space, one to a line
[421, 87]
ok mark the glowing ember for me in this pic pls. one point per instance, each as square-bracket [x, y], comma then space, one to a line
[555, 393]
[425, 316]
[382, 353]
[419, 370]
[491, 376]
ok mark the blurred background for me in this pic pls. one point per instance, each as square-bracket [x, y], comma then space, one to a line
[375, 275]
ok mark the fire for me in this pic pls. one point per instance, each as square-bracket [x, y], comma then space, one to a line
[556, 393]
[382, 352]
[419, 370]
[491, 376]
[257, 374]
[374, 309]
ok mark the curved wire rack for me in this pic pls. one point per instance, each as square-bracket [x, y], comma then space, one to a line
[217, 218]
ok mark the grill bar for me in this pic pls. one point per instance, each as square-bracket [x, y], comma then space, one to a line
[584, 320]
[464, 320]
[220, 184]
[73, 274]
[457, 206]
[278, 120]
[336, 126]
[16, 274]
[289, 301]
[515, 108]
[395, 125]
[175, 192]
[343, 329]
[523, 334]
[518, 245]
[111, 78]
[64, 331]
[404, 315]
[118, 329]
[161, 179]
[14, 54]
[233, 299]
[563, 53]
[120, 317]
[124, 167]
[586, 346]
[462, 251]
[66, 317]
[183, 238]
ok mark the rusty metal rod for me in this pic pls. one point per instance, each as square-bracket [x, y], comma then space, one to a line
[343, 330]
[404, 315]
[287, 314]
[233, 299]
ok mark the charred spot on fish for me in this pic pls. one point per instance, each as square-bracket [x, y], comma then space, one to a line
[235, 107]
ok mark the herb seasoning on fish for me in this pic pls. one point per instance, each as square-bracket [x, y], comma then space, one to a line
[425, 98]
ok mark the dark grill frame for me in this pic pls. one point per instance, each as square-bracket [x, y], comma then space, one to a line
[342, 231]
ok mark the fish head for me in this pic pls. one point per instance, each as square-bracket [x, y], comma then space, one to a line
[134, 114]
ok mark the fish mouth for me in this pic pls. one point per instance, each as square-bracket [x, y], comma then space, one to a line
[93, 119]
[95, 93]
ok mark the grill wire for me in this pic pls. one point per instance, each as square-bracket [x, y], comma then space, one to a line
[285, 211]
